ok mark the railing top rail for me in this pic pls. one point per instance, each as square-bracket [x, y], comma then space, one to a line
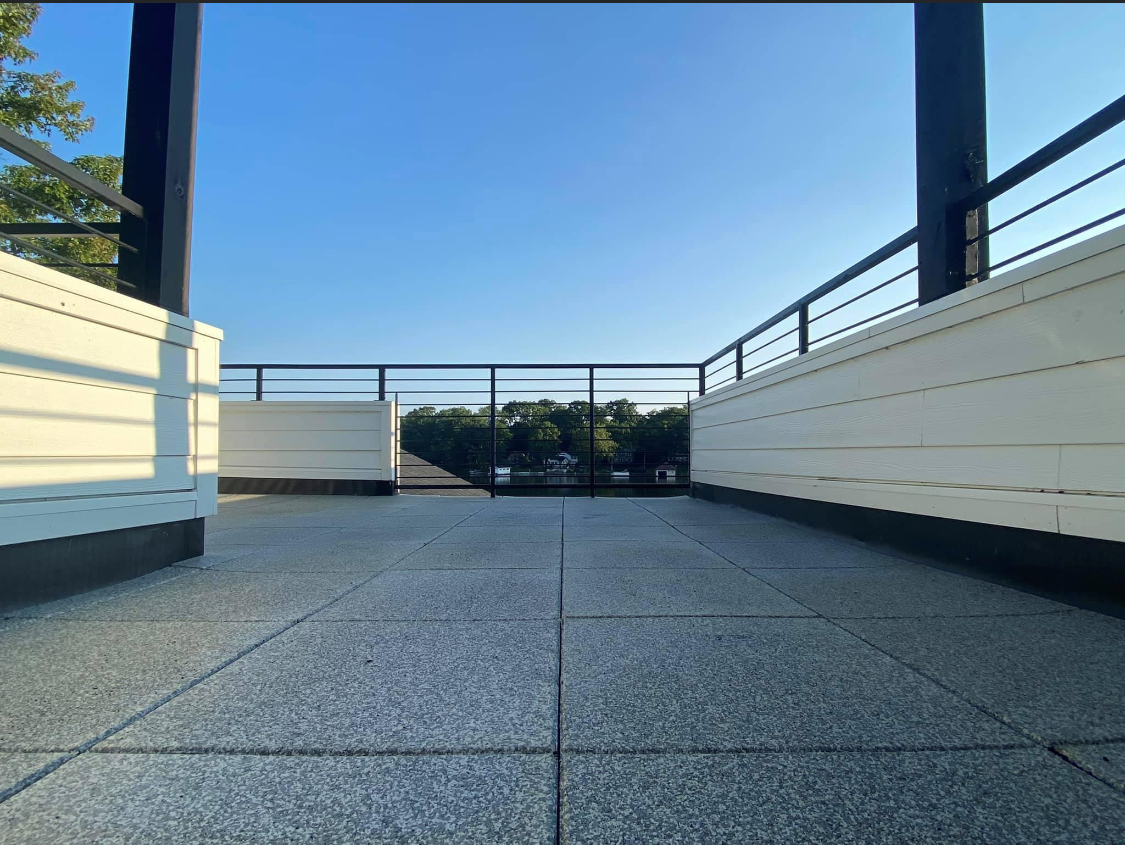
[880, 255]
[1086, 131]
[458, 366]
[50, 163]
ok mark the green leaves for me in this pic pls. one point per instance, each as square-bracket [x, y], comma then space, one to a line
[38, 105]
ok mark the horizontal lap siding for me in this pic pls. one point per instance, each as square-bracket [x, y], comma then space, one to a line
[104, 404]
[1019, 387]
[347, 440]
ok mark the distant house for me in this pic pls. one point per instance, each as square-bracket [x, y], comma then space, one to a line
[665, 472]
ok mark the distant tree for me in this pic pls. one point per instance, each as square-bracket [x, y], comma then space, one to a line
[38, 106]
[544, 440]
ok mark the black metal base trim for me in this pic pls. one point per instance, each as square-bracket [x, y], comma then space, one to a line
[45, 570]
[1082, 571]
[308, 486]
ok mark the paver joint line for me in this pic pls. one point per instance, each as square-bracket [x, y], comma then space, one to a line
[754, 696]
[120, 726]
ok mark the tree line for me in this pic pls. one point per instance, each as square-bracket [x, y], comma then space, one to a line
[527, 433]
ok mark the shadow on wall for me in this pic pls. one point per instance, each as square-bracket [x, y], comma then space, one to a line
[99, 432]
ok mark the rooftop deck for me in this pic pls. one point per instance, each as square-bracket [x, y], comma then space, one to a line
[406, 669]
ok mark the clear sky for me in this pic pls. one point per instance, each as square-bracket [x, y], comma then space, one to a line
[555, 183]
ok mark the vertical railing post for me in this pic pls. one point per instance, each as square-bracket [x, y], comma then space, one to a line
[259, 378]
[382, 384]
[951, 145]
[702, 379]
[492, 436]
[803, 329]
[738, 363]
[593, 491]
[159, 150]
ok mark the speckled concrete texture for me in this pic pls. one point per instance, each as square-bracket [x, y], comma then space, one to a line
[415, 669]
[501, 533]
[453, 594]
[216, 596]
[722, 684]
[350, 687]
[633, 554]
[495, 555]
[802, 554]
[908, 590]
[1106, 760]
[757, 531]
[15, 766]
[672, 592]
[312, 556]
[654, 533]
[65, 682]
[1059, 677]
[984, 797]
[142, 798]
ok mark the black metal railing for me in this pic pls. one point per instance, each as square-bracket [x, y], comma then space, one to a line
[614, 429]
[151, 240]
[791, 332]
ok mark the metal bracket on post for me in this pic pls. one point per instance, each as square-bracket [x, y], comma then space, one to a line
[492, 437]
[259, 387]
[803, 329]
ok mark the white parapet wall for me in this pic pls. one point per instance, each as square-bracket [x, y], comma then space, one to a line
[108, 409]
[316, 441]
[1002, 404]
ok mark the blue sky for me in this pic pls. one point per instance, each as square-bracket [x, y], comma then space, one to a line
[551, 183]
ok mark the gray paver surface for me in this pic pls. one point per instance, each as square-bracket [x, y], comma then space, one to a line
[710, 672]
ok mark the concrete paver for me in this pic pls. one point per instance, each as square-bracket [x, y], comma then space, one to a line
[713, 674]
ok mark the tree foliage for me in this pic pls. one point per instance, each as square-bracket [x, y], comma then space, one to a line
[40, 106]
[527, 433]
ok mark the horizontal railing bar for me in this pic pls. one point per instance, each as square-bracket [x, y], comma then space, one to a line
[680, 366]
[50, 163]
[60, 230]
[1086, 131]
[865, 320]
[720, 369]
[775, 358]
[793, 330]
[1112, 216]
[906, 239]
[73, 228]
[867, 292]
[1041, 205]
[51, 254]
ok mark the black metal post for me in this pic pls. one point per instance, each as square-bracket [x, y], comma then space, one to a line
[492, 437]
[738, 362]
[803, 329]
[259, 378]
[951, 144]
[702, 380]
[592, 489]
[159, 150]
[382, 384]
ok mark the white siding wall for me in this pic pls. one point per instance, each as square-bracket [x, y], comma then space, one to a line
[108, 409]
[1002, 404]
[324, 440]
